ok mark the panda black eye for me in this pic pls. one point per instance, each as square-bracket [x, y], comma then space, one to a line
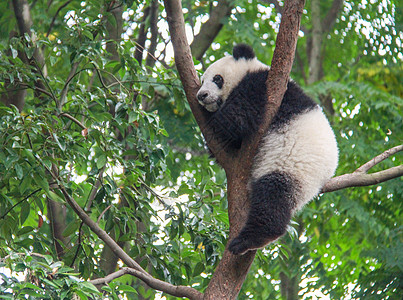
[218, 80]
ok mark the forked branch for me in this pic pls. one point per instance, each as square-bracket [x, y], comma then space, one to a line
[178, 291]
[360, 177]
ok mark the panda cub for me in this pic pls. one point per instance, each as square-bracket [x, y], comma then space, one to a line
[296, 156]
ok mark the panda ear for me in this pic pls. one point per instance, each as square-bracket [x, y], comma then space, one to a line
[243, 51]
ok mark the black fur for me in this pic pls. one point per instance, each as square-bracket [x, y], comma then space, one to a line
[243, 51]
[239, 117]
[273, 198]
[273, 195]
[242, 113]
[295, 102]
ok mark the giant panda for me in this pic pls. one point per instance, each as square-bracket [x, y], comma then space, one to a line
[295, 157]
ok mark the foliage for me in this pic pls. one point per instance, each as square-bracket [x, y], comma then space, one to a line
[120, 138]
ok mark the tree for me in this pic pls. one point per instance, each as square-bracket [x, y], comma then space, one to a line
[91, 140]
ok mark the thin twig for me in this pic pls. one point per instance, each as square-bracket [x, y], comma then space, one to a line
[68, 116]
[55, 16]
[18, 203]
[94, 189]
[71, 75]
[79, 244]
[377, 159]
[100, 77]
[102, 213]
[46, 82]
[22, 254]
[360, 177]
[178, 291]
[34, 88]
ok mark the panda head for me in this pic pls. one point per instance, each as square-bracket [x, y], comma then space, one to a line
[225, 74]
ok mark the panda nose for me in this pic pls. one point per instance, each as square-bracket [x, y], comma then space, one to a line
[201, 96]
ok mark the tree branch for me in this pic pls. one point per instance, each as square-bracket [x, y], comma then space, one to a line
[360, 177]
[315, 64]
[18, 203]
[63, 94]
[135, 269]
[379, 158]
[211, 28]
[55, 16]
[188, 76]
[154, 8]
[178, 291]
[24, 22]
[331, 16]
[68, 116]
[141, 38]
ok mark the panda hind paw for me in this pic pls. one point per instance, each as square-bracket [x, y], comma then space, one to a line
[239, 246]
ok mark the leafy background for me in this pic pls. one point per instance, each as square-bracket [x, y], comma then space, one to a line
[120, 136]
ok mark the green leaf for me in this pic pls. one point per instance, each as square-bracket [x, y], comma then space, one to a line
[24, 230]
[89, 286]
[32, 286]
[24, 213]
[101, 161]
[13, 52]
[71, 228]
[81, 295]
[55, 197]
[127, 289]
[49, 259]
[19, 171]
[41, 182]
[198, 269]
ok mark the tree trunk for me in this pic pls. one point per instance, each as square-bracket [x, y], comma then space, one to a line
[289, 287]
[57, 219]
[150, 60]
[114, 30]
[232, 270]
[315, 51]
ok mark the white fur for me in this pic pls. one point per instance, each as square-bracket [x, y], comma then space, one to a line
[305, 148]
[232, 71]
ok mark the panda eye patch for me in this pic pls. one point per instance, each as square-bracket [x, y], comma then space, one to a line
[218, 80]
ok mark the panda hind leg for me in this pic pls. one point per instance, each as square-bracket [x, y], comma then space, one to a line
[272, 202]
